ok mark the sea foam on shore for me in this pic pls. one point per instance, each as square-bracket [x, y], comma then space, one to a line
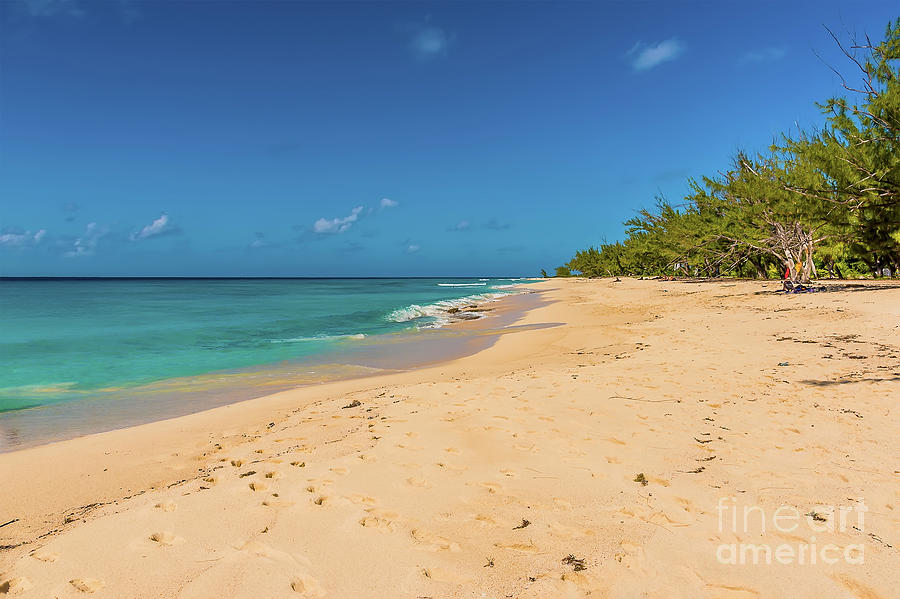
[443, 312]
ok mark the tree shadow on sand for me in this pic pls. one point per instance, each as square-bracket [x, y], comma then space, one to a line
[850, 381]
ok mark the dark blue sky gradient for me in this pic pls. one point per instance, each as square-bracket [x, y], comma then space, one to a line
[239, 138]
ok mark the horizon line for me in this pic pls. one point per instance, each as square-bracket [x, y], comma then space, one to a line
[226, 278]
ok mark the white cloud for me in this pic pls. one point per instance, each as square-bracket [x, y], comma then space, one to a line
[429, 42]
[389, 203]
[764, 55]
[161, 226]
[413, 248]
[339, 224]
[646, 57]
[462, 225]
[15, 239]
[87, 243]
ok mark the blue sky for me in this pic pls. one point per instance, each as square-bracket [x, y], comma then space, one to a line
[380, 139]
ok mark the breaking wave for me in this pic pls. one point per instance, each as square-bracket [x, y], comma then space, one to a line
[435, 315]
[318, 338]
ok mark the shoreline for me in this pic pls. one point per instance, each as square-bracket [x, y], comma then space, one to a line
[510, 471]
[181, 396]
[125, 445]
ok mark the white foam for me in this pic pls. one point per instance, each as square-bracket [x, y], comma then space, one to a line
[437, 311]
[461, 284]
[317, 338]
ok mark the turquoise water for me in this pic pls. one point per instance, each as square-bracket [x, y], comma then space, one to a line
[65, 340]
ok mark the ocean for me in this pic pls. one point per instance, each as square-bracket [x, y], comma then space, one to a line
[71, 342]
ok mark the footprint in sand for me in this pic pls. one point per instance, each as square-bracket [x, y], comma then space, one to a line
[321, 500]
[562, 503]
[359, 499]
[307, 586]
[583, 582]
[87, 585]
[440, 575]
[165, 538]
[274, 501]
[339, 470]
[257, 486]
[272, 475]
[165, 506]
[492, 487]
[211, 480]
[379, 519]
[409, 447]
[14, 586]
[485, 520]
[563, 531]
[237, 463]
[258, 549]
[451, 467]
[520, 547]
[432, 542]
[418, 482]
[42, 555]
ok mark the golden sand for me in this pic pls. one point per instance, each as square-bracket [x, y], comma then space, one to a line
[635, 450]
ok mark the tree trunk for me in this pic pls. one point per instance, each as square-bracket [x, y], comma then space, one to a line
[759, 264]
[788, 265]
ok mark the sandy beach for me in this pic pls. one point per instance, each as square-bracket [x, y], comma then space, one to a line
[635, 448]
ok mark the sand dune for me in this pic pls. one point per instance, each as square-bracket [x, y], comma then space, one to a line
[613, 455]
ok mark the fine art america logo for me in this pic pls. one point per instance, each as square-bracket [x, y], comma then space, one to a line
[752, 519]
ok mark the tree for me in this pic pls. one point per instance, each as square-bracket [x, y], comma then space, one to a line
[858, 152]
[831, 196]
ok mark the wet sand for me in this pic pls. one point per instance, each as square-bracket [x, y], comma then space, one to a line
[610, 445]
[380, 354]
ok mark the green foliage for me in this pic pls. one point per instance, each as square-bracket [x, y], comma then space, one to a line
[562, 271]
[827, 200]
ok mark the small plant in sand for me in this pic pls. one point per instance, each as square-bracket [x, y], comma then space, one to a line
[577, 563]
[816, 516]
[640, 478]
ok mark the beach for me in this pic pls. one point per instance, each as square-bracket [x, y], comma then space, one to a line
[623, 438]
